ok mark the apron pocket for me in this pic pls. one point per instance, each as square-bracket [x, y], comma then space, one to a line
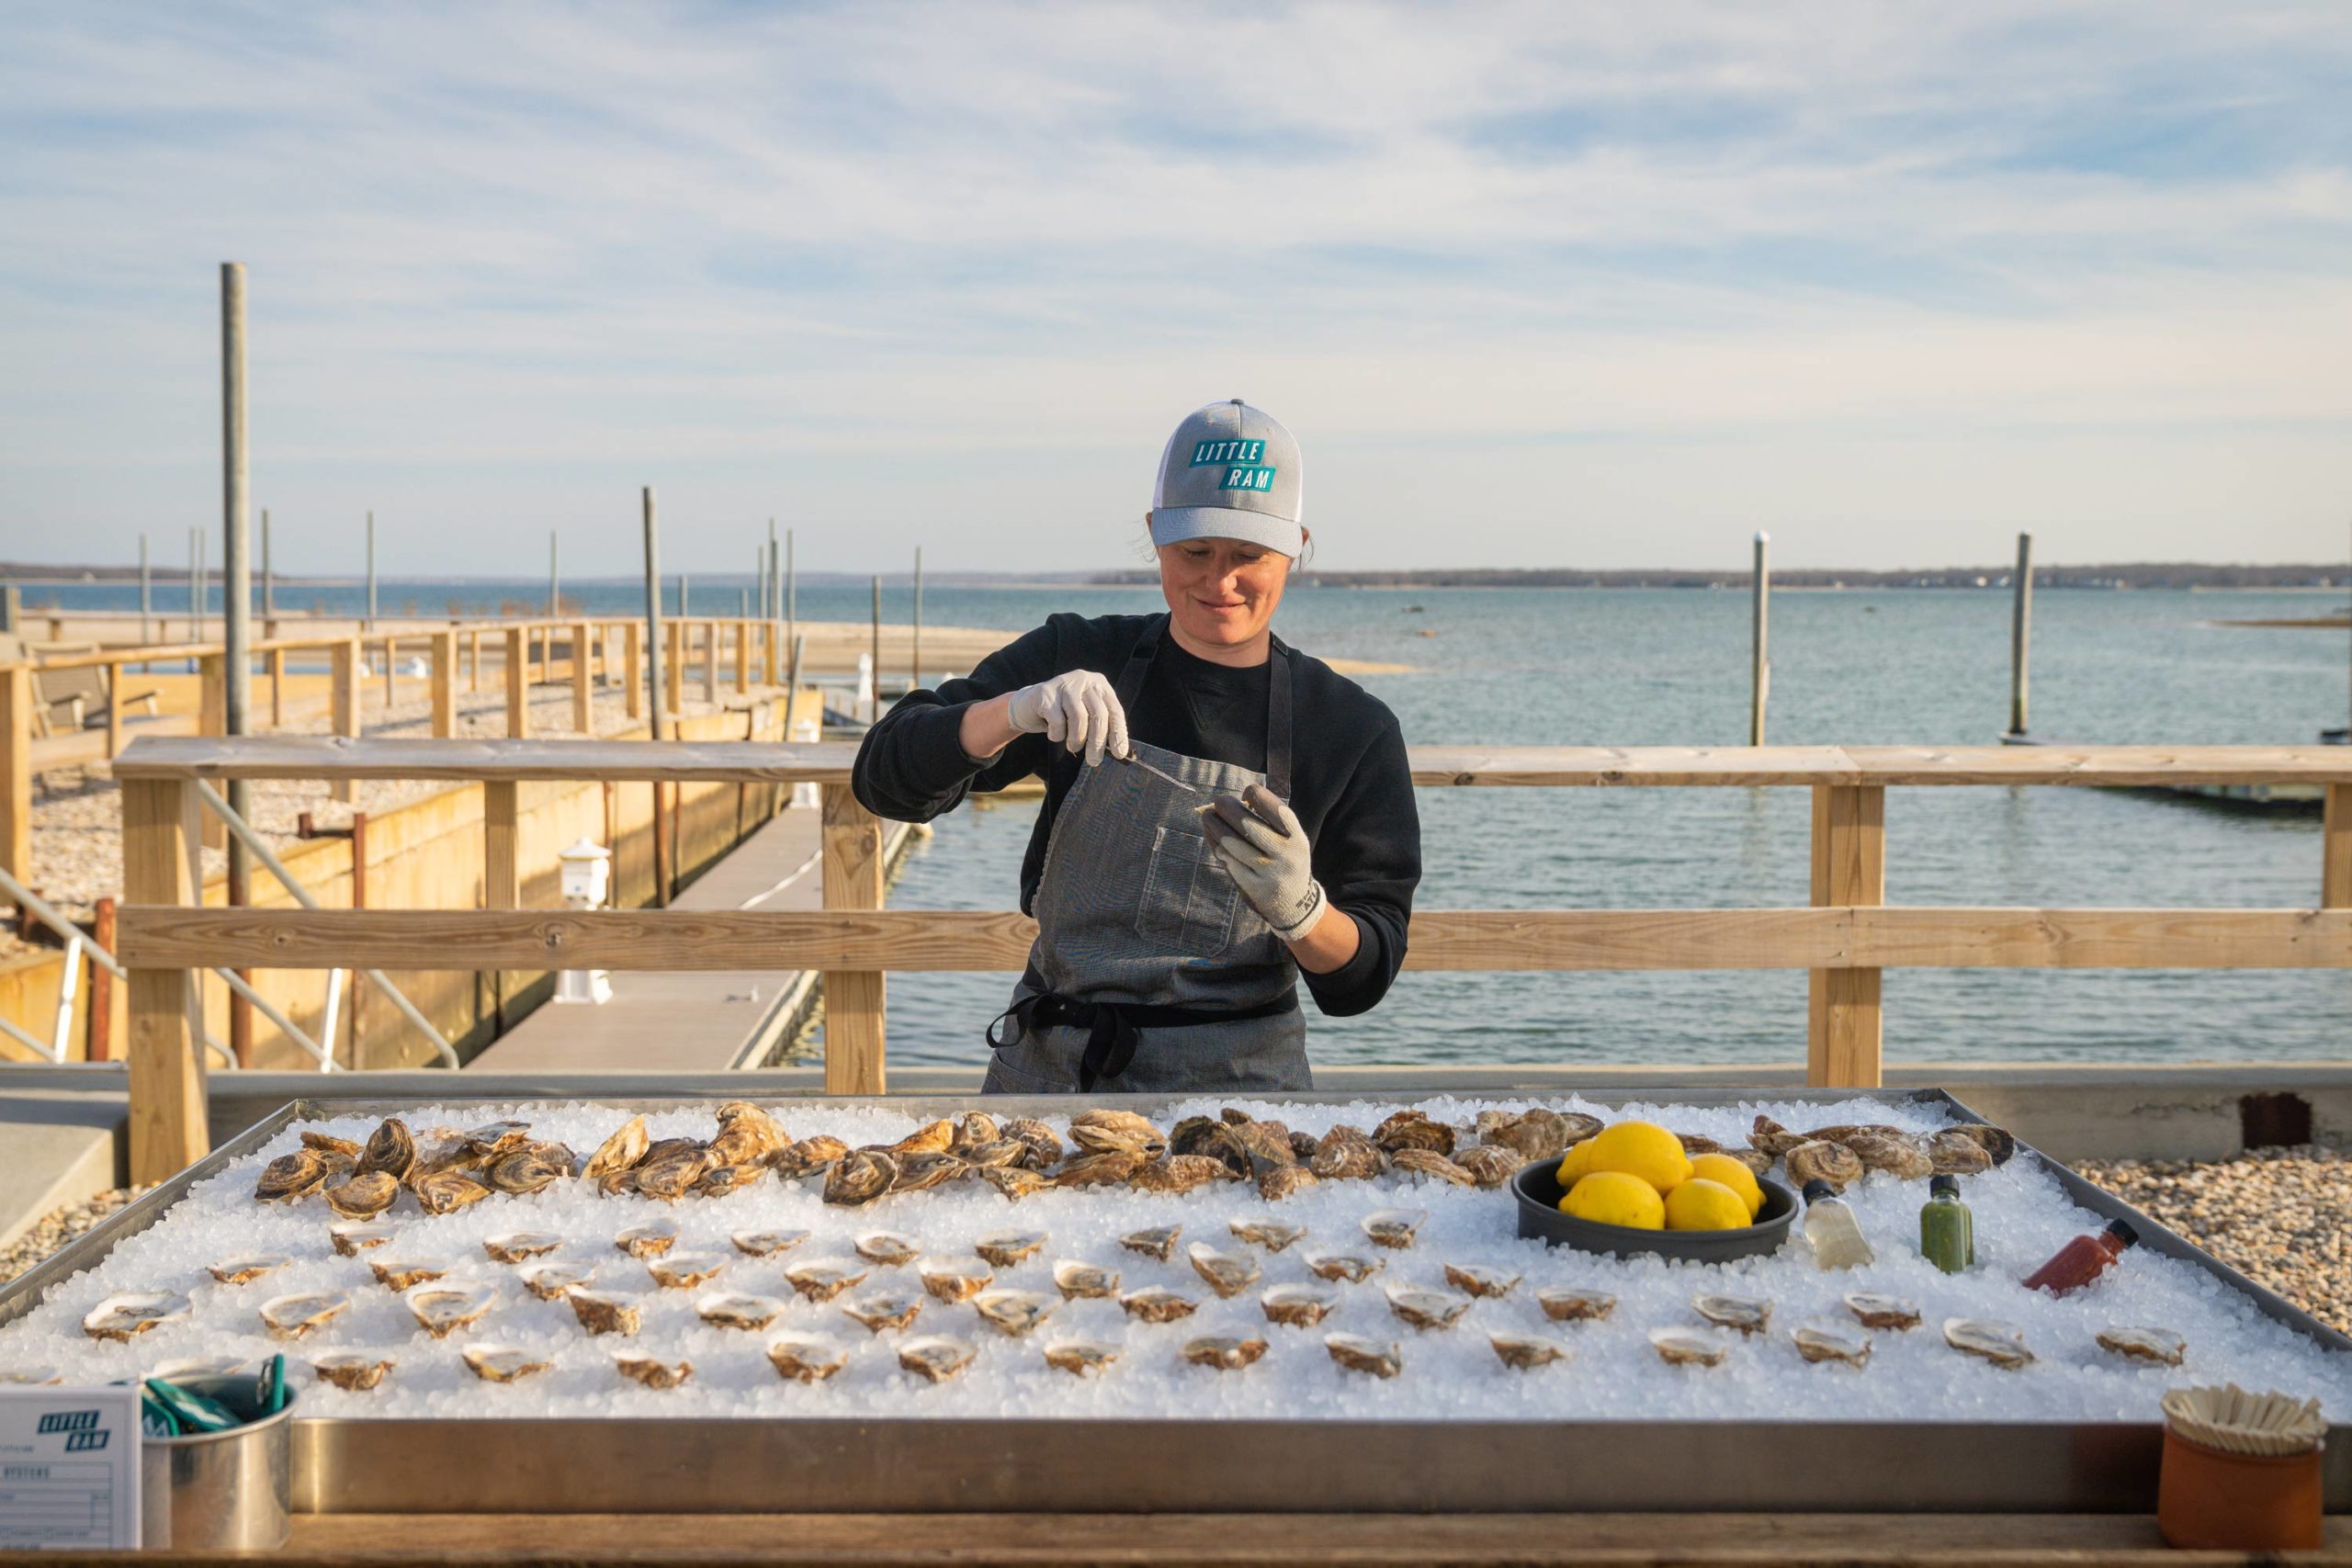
[1187, 899]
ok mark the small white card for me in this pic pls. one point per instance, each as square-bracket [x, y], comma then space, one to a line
[69, 1469]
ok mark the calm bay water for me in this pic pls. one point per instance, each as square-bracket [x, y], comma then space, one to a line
[1576, 667]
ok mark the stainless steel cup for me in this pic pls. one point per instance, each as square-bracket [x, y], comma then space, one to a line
[218, 1491]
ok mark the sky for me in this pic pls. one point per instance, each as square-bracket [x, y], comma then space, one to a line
[1540, 285]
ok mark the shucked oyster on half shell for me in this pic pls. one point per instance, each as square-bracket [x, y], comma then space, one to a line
[1358, 1353]
[1299, 1306]
[1872, 1309]
[1524, 1352]
[935, 1358]
[352, 1237]
[602, 1312]
[351, 1369]
[290, 1317]
[133, 1312]
[1008, 1249]
[1340, 1266]
[1746, 1315]
[1271, 1234]
[1473, 1281]
[738, 1309]
[30, 1377]
[2003, 1344]
[766, 1243]
[806, 1358]
[517, 1247]
[246, 1267]
[649, 1240]
[651, 1371]
[1079, 1357]
[1426, 1308]
[549, 1281]
[1394, 1227]
[199, 1367]
[1223, 1353]
[952, 1279]
[684, 1270]
[503, 1364]
[1075, 1280]
[399, 1273]
[1014, 1313]
[2156, 1345]
[887, 1247]
[1158, 1241]
[1227, 1275]
[878, 1310]
[1576, 1304]
[1155, 1304]
[1825, 1339]
[441, 1309]
[822, 1278]
[1688, 1347]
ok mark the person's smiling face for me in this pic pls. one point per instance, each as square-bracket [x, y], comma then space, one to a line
[1221, 592]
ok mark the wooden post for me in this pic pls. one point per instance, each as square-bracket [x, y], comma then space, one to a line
[161, 867]
[445, 684]
[212, 719]
[770, 655]
[502, 866]
[1844, 1035]
[518, 683]
[473, 660]
[2020, 632]
[2335, 850]
[673, 670]
[343, 700]
[583, 675]
[276, 665]
[633, 668]
[742, 656]
[1759, 663]
[17, 773]
[710, 661]
[114, 714]
[100, 1046]
[853, 874]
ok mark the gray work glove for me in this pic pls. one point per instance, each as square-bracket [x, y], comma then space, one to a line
[1081, 710]
[1265, 851]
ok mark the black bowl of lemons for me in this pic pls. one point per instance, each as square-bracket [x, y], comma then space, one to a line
[1631, 1192]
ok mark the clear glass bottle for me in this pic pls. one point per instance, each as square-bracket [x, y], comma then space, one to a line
[1831, 1230]
[1947, 1229]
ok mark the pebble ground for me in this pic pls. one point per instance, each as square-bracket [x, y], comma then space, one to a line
[58, 1227]
[2281, 1216]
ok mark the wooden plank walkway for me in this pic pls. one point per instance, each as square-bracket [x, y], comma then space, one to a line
[691, 1021]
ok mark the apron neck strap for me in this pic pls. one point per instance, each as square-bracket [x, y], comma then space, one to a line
[1278, 696]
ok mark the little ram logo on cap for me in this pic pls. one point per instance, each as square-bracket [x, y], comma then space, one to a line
[1229, 471]
[1241, 477]
[1228, 452]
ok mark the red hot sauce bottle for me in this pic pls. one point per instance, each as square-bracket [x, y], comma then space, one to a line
[2082, 1259]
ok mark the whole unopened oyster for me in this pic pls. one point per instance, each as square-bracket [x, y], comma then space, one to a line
[1340, 1266]
[723, 1180]
[1155, 1304]
[399, 1273]
[1158, 1242]
[860, 1177]
[1176, 1174]
[2158, 1344]
[447, 1192]
[1205, 1137]
[1414, 1130]
[878, 1310]
[351, 1237]
[888, 1248]
[441, 1309]
[1828, 1340]
[526, 1169]
[392, 1149]
[1276, 1183]
[621, 1151]
[1524, 1352]
[1995, 1142]
[549, 1282]
[1344, 1153]
[291, 1176]
[1012, 1181]
[1299, 1306]
[766, 1243]
[1472, 1279]
[1746, 1315]
[1772, 1139]
[1954, 1153]
[1044, 1147]
[1358, 1353]
[737, 1309]
[1105, 1129]
[1821, 1160]
[1107, 1168]
[651, 1371]
[492, 1139]
[1426, 1162]
[922, 1172]
[1491, 1165]
[1394, 1227]
[503, 1364]
[1271, 1234]
[807, 1156]
[672, 1175]
[1014, 1312]
[351, 1369]
[1426, 1308]
[935, 1358]
[602, 1312]
[1901, 1157]
[364, 1196]
[684, 1270]
[746, 1133]
[1009, 1249]
[931, 1138]
[649, 1240]
[975, 1130]
[517, 1247]
[246, 1267]
[998, 1152]
[1078, 1357]
[954, 1279]
[1225, 1354]
[290, 1317]
[1076, 1280]
[1576, 1305]
[2003, 1344]
[822, 1278]
[1537, 1133]
[806, 1358]
[1688, 1347]
[1872, 1309]
[1227, 1275]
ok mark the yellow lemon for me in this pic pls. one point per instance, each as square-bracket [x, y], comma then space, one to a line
[1732, 1174]
[1575, 1162]
[1641, 1149]
[1613, 1198]
[1700, 1204]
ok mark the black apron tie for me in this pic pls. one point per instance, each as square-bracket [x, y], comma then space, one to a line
[1113, 1029]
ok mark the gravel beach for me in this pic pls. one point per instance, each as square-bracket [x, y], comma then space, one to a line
[59, 1226]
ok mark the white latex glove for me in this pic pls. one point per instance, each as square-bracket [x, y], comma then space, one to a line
[1081, 710]
[1265, 851]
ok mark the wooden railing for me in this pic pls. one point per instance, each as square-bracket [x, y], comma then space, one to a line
[1845, 938]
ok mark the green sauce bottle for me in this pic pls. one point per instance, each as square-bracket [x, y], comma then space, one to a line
[1947, 1230]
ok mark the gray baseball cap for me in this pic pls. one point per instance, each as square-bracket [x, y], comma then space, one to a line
[1230, 472]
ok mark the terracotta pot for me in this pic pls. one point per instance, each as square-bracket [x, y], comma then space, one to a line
[2213, 1500]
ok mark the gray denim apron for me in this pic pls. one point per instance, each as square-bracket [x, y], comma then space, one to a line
[1149, 973]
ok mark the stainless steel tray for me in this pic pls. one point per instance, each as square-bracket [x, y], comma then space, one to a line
[902, 1465]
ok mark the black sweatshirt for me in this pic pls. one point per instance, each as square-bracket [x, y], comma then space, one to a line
[1349, 784]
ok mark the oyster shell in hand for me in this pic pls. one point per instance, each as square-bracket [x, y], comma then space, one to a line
[1524, 1352]
[1298, 1306]
[935, 1358]
[2161, 1346]
[351, 1369]
[1223, 1353]
[1688, 1347]
[1394, 1227]
[1076, 1280]
[954, 1279]
[1359, 1353]
[133, 1312]
[2003, 1344]
[1227, 1275]
[651, 1371]
[1576, 1304]
[806, 1358]
[503, 1364]
[602, 1312]
[246, 1267]
[290, 1317]
[1014, 1313]
[1824, 1339]
[738, 1309]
